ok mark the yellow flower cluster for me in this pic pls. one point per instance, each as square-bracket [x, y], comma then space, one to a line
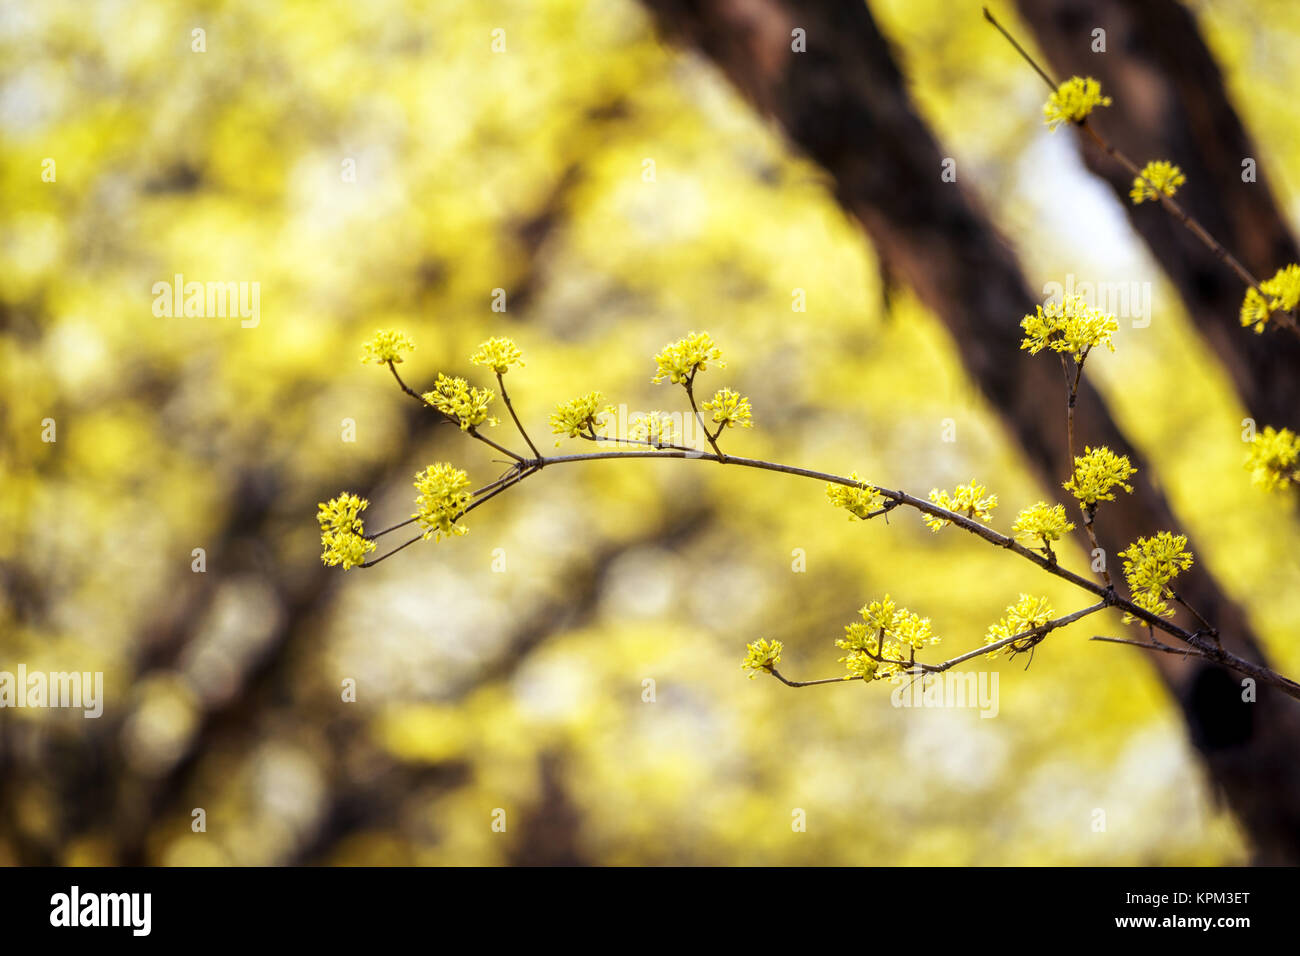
[1026, 614]
[653, 428]
[680, 361]
[858, 501]
[342, 530]
[1158, 176]
[1073, 101]
[1280, 292]
[762, 655]
[443, 496]
[1042, 521]
[386, 346]
[884, 631]
[730, 409]
[456, 399]
[1097, 472]
[965, 499]
[1070, 325]
[579, 416]
[1274, 458]
[1149, 565]
[498, 354]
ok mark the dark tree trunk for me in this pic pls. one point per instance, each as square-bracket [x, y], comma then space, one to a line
[844, 103]
[1170, 103]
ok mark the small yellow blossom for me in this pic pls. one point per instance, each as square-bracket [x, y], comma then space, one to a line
[898, 623]
[680, 361]
[579, 416]
[1280, 292]
[342, 531]
[387, 346]
[498, 354]
[1284, 288]
[730, 409]
[1097, 472]
[876, 643]
[456, 399]
[653, 428]
[1070, 325]
[443, 496]
[1149, 601]
[762, 655]
[969, 500]
[1042, 521]
[1158, 176]
[1149, 565]
[1274, 458]
[1073, 101]
[1026, 614]
[1255, 311]
[858, 501]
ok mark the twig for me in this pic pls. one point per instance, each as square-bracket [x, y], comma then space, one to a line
[471, 431]
[919, 668]
[1153, 645]
[713, 439]
[1210, 629]
[1019, 49]
[505, 397]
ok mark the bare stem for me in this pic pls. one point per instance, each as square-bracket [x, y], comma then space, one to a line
[713, 439]
[1019, 49]
[1152, 645]
[1209, 628]
[810, 683]
[505, 397]
[379, 534]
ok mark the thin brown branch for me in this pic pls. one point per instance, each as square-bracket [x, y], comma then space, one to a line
[1052, 84]
[505, 397]
[810, 683]
[1152, 645]
[712, 439]
[1216, 654]
[1209, 628]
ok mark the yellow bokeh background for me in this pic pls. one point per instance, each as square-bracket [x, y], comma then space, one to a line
[523, 692]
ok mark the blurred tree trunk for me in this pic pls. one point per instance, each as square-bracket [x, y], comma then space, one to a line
[1170, 103]
[844, 103]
